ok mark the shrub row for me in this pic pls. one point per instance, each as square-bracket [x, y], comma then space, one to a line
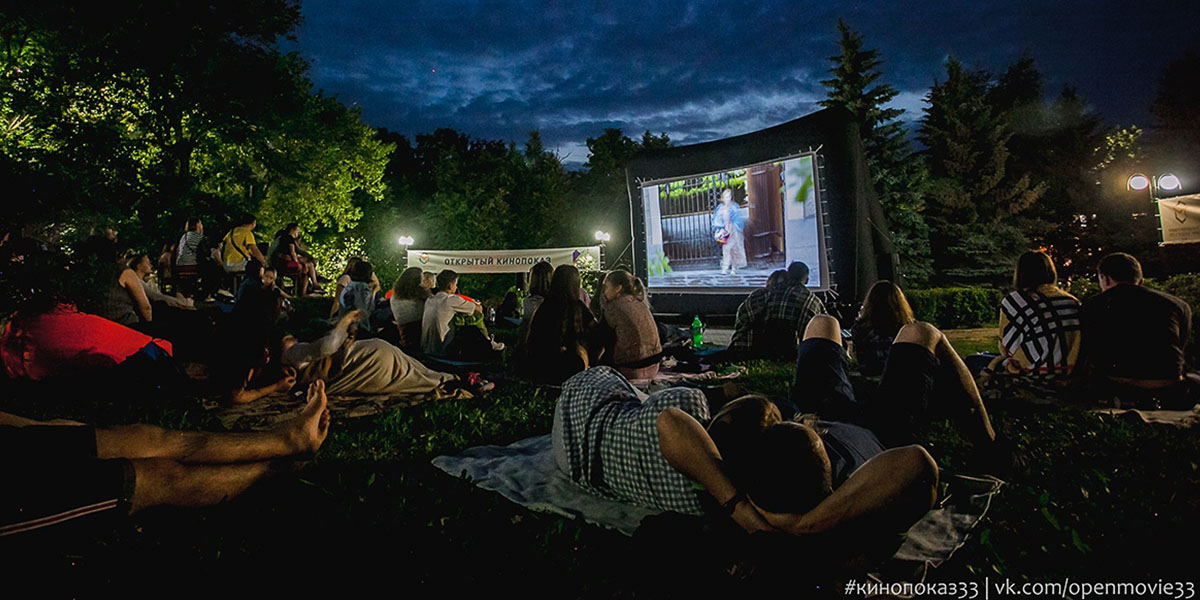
[956, 307]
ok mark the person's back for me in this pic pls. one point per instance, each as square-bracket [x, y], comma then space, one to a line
[786, 312]
[436, 332]
[635, 345]
[1040, 332]
[745, 323]
[239, 246]
[115, 304]
[1134, 332]
[189, 244]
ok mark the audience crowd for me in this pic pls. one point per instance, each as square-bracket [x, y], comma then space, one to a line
[767, 463]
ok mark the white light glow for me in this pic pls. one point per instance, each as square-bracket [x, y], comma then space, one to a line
[406, 240]
[1139, 182]
[603, 236]
[1168, 181]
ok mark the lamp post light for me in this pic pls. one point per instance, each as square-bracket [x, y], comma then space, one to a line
[603, 237]
[406, 241]
[1166, 182]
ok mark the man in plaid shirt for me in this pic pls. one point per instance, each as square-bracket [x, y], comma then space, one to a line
[618, 443]
[653, 451]
[771, 321]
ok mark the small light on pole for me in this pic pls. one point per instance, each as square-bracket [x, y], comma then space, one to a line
[406, 241]
[1168, 181]
[603, 236]
[1138, 182]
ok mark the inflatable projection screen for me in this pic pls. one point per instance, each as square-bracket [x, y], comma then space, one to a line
[712, 221]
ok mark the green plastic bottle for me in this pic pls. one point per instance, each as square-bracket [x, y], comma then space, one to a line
[697, 332]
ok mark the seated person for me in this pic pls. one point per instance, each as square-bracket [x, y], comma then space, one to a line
[288, 260]
[438, 335]
[239, 246]
[1040, 332]
[884, 311]
[123, 298]
[140, 264]
[165, 263]
[187, 257]
[770, 322]
[1134, 339]
[509, 311]
[197, 273]
[633, 334]
[359, 295]
[539, 288]
[368, 367]
[408, 307]
[57, 471]
[344, 280]
[560, 340]
[260, 304]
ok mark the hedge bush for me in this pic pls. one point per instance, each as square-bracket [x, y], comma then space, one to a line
[956, 307]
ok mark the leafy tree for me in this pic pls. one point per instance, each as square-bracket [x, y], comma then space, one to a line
[147, 113]
[898, 179]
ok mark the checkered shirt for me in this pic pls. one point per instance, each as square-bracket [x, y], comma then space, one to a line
[611, 440]
[1040, 332]
[774, 316]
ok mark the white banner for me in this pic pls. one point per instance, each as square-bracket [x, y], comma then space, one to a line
[502, 261]
[1180, 219]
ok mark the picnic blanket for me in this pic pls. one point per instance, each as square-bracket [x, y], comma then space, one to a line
[525, 473]
[269, 412]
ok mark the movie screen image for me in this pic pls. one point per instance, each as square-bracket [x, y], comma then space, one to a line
[731, 229]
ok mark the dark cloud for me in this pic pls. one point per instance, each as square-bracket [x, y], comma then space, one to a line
[703, 70]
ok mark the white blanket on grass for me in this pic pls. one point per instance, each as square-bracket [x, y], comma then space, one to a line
[525, 473]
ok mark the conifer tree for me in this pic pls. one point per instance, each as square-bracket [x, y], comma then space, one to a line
[898, 179]
[971, 203]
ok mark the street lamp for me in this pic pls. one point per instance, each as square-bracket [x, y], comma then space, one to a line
[1166, 182]
[603, 236]
[406, 241]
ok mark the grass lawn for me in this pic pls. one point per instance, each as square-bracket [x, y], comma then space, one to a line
[1099, 499]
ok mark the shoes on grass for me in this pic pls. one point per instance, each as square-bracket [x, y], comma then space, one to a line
[478, 385]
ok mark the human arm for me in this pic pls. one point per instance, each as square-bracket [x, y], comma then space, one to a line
[245, 394]
[251, 246]
[155, 295]
[137, 294]
[891, 490]
[305, 352]
[462, 305]
[689, 450]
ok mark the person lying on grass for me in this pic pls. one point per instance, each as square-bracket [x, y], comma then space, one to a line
[370, 367]
[57, 471]
[648, 451]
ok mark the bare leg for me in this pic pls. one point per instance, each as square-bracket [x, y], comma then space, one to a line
[824, 327]
[965, 402]
[303, 435]
[164, 482]
[888, 493]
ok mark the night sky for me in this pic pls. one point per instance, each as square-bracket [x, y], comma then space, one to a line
[706, 70]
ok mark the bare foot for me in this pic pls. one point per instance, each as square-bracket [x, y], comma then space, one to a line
[308, 430]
